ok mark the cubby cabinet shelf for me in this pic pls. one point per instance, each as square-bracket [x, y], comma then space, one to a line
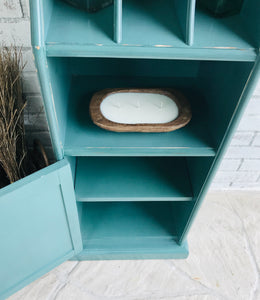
[75, 27]
[149, 30]
[218, 53]
[132, 230]
[149, 23]
[132, 179]
[229, 33]
[83, 138]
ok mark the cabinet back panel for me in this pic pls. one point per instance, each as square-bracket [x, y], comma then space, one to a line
[119, 227]
[251, 15]
[47, 9]
[133, 67]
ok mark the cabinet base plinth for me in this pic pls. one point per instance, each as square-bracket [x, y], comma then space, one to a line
[174, 252]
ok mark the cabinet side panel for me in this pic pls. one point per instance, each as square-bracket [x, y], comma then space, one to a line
[235, 118]
[40, 13]
[60, 78]
[40, 17]
[222, 84]
[198, 169]
[49, 104]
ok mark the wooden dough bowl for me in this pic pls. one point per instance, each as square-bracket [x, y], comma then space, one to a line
[184, 113]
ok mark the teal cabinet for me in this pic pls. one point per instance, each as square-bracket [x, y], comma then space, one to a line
[126, 195]
[39, 227]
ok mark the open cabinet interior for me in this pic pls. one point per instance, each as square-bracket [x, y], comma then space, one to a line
[126, 195]
[132, 178]
[239, 30]
[209, 86]
[147, 23]
[137, 192]
[151, 23]
[135, 230]
[136, 227]
[137, 207]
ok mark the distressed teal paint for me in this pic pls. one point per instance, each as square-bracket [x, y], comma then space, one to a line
[39, 227]
[144, 52]
[137, 193]
[152, 53]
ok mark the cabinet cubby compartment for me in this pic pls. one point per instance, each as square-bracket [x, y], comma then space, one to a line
[132, 22]
[238, 32]
[137, 207]
[131, 230]
[156, 23]
[151, 29]
[132, 179]
[207, 84]
[137, 25]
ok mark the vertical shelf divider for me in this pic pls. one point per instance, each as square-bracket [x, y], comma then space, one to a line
[118, 21]
[185, 10]
[190, 22]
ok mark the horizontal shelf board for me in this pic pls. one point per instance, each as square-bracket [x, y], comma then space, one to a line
[117, 230]
[146, 34]
[84, 138]
[137, 151]
[156, 51]
[132, 179]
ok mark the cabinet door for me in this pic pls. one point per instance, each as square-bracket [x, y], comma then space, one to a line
[39, 227]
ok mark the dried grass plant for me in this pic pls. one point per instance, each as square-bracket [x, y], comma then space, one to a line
[12, 104]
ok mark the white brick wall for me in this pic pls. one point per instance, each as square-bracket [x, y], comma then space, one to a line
[239, 170]
[15, 29]
[10, 9]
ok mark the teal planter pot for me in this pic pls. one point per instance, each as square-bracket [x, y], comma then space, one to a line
[222, 8]
[89, 5]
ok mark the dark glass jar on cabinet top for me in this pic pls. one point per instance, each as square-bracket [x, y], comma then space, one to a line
[222, 8]
[89, 5]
